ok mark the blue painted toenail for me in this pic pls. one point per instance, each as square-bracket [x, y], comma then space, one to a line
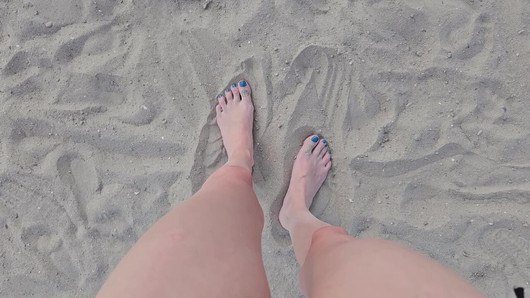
[220, 96]
[329, 152]
[242, 84]
[234, 85]
[227, 90]
[324, 141]
[314, 139]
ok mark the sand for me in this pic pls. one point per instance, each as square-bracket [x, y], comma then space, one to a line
[107, 121]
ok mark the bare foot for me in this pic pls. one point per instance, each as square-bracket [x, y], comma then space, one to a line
[235, 114]
[310, 169]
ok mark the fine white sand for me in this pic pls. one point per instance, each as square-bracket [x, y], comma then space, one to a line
[107, 122]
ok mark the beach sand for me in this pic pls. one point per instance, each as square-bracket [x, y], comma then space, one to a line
[107, 121]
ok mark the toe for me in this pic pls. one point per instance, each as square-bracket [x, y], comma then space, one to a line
[328, 165]
[218, 109]
[235, 92]
[244, 90]
[222, 100]
[324, 149]
[326, 158]
[228, 95]
[310, 143]
[319, 148]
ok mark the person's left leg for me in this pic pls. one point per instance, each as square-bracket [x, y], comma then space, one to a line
[334, 264]
[209, 246]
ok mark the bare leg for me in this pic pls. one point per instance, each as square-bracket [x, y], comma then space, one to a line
[209, 246]
[337, 265]
[309, 172]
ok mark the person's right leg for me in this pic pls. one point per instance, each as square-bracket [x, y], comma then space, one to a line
[210, 245]
[335, 264]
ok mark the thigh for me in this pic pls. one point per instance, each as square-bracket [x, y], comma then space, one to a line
[209, 246]
[340, 266]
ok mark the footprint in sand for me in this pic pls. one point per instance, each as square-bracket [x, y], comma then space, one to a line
[508, 246]
[81, 178]
[465, 38]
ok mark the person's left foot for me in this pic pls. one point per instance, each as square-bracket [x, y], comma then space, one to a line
[235, 114]
[310, 169]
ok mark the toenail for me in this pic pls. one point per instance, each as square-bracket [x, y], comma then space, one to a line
[242, 84]
[234, 85]
[220, 96]
[314, 139]
[227, 90]
[324, 141]
[329, 152]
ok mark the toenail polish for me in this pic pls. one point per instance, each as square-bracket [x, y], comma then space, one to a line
[234, 85]
[314, 139]
[329, 152]
[220, 96]
[227, 90]
[324, 141]
[242, 84]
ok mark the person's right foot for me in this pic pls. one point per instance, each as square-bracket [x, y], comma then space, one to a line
[310, 169]
[234, 117]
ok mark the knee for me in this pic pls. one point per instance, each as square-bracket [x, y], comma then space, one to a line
[232, 175]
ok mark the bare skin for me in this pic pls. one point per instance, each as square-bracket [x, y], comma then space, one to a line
[310, 169]
[235, 113]
[334, 264]
[210, 245]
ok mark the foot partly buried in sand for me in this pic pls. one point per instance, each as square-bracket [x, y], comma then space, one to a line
[235, 114]
[310, 169]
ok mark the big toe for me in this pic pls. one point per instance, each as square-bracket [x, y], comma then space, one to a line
[310, 143]
[244, 90]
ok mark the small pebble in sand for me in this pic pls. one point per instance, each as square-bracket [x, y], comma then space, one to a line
[350, 200]
[136, 192]
[48, 24]
[479, 132]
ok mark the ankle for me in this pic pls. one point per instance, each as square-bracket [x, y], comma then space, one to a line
[291, 213]
[241, 158]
